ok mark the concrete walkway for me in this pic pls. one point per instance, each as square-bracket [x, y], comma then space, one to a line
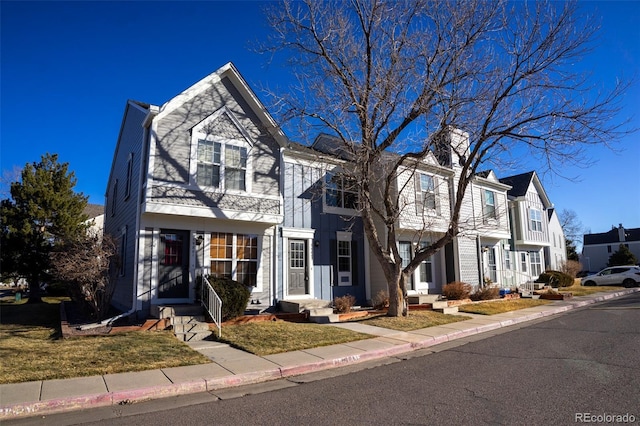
[232, 367]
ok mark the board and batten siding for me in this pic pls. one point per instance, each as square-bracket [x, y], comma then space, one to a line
[302, 188]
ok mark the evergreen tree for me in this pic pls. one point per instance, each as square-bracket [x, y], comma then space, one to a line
[43, 211]
[622, 257]
[572, 254]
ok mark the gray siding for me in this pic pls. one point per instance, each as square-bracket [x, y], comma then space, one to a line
[302, 188]
[188, 197]
[129, 145]
[173, 139]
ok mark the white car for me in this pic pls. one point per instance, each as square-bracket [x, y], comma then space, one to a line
[628, 276]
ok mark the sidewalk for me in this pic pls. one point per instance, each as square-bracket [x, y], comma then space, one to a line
[233, 367]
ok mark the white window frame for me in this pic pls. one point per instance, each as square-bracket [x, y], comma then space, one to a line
[341, 191]
[523, 262]
[428, 192]
[489, 210]
[234, 260]
[427, 264]
[535, 260]
[344, 278]
[535, 220]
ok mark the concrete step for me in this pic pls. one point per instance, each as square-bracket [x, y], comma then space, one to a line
[319, 312]
[186, 319]
[447, 310]
[421, 299]
[192, 327]
[439, 304]
[168, 311]
[297, 306]
[193, 337]
[325, 319]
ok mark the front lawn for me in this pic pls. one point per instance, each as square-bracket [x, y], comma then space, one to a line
[414, 321]
[272, 337]
[31, 347]
[501, 306]
[578, 290]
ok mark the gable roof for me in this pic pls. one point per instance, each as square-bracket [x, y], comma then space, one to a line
[520, 184]
[231, 72]
[612, 236]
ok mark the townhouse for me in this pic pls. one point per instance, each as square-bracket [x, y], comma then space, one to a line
[207, 184]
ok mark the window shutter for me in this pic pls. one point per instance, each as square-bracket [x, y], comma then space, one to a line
[436, 190]
[354, 263]
[419, 201]
[333, 261]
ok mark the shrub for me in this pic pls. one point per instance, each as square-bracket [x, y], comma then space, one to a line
[485, 293]
[456, 290]
[380, 300]
[571, 268]
[234, 295]
[555, 278]
[343, 304]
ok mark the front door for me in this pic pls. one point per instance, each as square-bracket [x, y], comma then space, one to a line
[298, 273]
[173, 264]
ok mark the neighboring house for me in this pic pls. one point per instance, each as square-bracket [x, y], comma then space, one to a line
[322, 246]
[95, 212]
[194, 189]
[597, 248]
[528, 206]
[556, 253]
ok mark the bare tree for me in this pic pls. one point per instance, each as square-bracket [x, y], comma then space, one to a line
[397, 77]
[88, 264]
[571, 225]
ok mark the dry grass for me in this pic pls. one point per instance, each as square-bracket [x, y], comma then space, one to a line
[31, 347]
[414, 321]
[501, 306]
[579, 290]
[272, 337]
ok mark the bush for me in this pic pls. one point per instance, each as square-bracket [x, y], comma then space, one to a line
[571, 268]
[380, 300]
[555, 278]
[343, 305]
[234, 295]
[485, 293]
[456, 290]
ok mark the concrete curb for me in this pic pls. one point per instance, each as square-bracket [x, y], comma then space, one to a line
[211, 384]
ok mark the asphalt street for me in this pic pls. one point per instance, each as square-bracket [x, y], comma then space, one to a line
[582, 365]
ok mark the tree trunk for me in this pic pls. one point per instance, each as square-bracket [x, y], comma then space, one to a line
[34, 289]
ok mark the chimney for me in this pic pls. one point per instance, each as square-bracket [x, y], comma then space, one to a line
[621, 237]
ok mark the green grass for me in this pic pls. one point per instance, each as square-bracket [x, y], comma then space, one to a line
[501, 306]
[31, 347]
[414, 321]
[272, 337]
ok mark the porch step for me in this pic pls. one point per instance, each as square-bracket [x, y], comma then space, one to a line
[319, 312]
[324, 319]
[439, 304]
[298, 306]
[422, 299]
[447, 310]
[188, 321]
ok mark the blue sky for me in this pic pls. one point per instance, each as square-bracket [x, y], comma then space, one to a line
[67, 69]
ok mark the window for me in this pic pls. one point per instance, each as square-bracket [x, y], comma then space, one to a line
[491, 264]
[427, 192]
[234, 256]
[404, 249]
[523, 262]
[344, 259]
[114, 197]
[536, 263]
[426, 267]
[340, 192]
[535, 217]
[127, 186]
[507, 260]
[489, 207]
[608, 249]
[219, 163]
[172, 250]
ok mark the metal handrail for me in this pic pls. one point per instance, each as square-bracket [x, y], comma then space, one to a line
[212, 303]
[508, 278]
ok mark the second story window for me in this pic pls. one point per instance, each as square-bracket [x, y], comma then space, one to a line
[221, 165]
[340, 192]
[428, 192]
[489, 205]
[535, 220]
